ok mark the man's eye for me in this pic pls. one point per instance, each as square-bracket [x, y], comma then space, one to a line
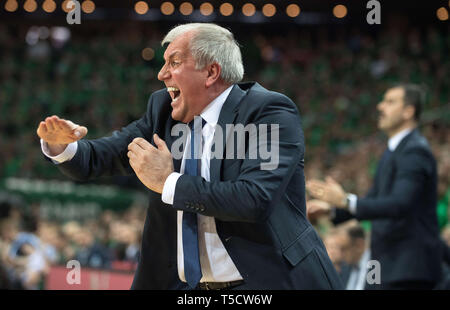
[174, 63]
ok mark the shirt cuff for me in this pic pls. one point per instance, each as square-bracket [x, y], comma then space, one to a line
[66, 155]
[168, 192]
[352, 200]
[333, 213]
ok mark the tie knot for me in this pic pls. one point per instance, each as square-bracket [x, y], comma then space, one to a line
[196, 123]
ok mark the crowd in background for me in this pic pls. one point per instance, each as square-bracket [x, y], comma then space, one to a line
[30, 245]
[99, 79]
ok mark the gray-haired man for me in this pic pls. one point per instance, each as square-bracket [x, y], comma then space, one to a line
[212, 223]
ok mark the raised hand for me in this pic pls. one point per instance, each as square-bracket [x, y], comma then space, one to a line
[152, 165]
[329, 191]
[58, 133]
[317, 208]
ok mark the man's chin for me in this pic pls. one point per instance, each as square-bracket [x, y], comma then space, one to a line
[178, 117]
[175, 115]
[381, 126]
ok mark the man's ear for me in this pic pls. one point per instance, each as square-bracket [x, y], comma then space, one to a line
[214, 71]
[409, 111]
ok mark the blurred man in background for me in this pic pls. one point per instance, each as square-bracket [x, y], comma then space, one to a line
[333, 240]
[356, 255]
[402, 201]
[21, 256]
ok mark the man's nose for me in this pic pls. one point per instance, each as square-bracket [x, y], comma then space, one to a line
[163, 74]
[380, 106]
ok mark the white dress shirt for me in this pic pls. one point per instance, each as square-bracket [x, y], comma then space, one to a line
[357, 278]
[66, 155]
[393, 142]
[215, 262]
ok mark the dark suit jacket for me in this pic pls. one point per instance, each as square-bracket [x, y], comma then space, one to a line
[260, 214]
[402, 207]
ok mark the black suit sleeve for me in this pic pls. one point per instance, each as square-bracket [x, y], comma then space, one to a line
[255, 192]
[107, 156]
[412, 170]
[341, 215]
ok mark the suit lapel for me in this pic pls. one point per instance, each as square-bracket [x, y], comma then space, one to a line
[227, 116]
[387, 170]
[388, 167]
[404, 141]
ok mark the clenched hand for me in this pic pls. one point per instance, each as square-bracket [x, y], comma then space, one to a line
[152, 165]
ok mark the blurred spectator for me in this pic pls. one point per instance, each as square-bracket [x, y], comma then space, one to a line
[106, 243]
[51, 242]
[31, 266]
[334, 240]
[89, 252]
[356, 254]
[22, 258]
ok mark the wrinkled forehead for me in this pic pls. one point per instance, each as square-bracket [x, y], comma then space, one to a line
[180, 46]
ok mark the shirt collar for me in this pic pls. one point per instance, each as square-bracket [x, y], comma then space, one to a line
[364, 259]
[397, 138]
[212, 111]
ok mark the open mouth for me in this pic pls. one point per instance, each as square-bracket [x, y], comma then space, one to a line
[174, 92]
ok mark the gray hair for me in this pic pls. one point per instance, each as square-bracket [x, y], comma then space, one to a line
[211, 43]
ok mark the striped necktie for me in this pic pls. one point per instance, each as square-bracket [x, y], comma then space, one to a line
[192, 268]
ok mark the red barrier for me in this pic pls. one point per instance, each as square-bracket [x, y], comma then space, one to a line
[90, 279]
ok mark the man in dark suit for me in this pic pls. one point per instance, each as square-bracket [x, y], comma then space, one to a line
[212, 223]
[356, 255]
[402, 201]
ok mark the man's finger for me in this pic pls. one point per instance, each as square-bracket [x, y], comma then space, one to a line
[142, 143]
[330, 180]
[314, 186]
[317, 191]
[160, 143]
[49, 123]
[41, 130]
[80, 131]
[71, 124]
[315, 182]
[54, 120]
[43, 127]
[131, 155]
[63, 124]
[131, 161]
[135, 148]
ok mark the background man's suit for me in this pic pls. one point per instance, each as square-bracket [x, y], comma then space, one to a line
[260, 214]
[402, 207]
